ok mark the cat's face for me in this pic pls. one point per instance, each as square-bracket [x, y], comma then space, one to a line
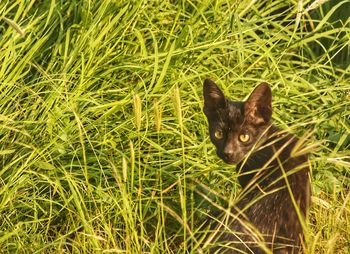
[236, 126]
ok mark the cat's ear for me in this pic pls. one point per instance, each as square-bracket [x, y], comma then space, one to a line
[257, 109]
[214, 98]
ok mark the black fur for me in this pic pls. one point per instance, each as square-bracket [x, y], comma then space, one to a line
[275, 179]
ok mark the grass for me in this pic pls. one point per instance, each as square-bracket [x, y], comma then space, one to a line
[103, 143]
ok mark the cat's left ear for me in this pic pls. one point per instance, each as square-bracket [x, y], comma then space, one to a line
[214, 98]
[257, 109]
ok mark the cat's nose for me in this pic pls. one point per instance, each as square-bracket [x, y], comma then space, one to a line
[228, 152]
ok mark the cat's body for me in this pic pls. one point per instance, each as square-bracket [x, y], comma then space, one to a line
[274, 177]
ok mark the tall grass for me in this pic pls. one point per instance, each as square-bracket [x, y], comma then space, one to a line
[103, 143]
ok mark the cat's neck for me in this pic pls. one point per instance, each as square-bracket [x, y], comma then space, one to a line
[274, 152]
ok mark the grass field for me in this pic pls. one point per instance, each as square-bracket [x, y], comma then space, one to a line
[104, 147]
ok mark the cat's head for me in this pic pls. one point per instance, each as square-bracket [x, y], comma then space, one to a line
[235, 127]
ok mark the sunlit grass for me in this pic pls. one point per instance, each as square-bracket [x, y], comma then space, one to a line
[103, 143]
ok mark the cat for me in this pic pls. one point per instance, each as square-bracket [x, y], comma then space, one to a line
[274, 175]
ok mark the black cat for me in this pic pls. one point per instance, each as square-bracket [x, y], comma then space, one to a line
[274, 175]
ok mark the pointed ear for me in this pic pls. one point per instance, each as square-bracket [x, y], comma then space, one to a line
[257, 109]
[213, 97]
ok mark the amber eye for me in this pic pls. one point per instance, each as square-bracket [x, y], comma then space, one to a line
[218, 134]
[244, 138]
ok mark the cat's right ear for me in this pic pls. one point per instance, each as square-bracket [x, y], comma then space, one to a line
[214, 98]
[257, 108]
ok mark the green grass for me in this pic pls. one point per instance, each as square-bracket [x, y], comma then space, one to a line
[103, 143]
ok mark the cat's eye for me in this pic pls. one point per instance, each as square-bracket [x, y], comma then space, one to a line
[244, 138]
[218, 134]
